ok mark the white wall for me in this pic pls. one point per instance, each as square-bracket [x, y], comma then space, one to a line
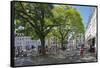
[5, 34]
[91, 28]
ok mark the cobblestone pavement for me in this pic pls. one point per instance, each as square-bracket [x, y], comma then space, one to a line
[89, 57]
[53, 59]
[43, 60]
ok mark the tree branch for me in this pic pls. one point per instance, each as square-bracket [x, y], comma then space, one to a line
[24, 12]
[66, 33]
[27, 20]
[49, 28]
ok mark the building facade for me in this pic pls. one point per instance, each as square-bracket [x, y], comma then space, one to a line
[26, 44]
[91, 32]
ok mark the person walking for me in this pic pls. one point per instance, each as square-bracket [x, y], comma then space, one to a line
[82, 51]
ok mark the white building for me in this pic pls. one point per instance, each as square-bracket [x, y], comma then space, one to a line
[25, 44]
[52, 45]
[75, 41]
[91, 30]
[80, 40]
[71, 41]
[24, 41]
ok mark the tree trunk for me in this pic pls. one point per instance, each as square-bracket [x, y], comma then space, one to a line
[43, 50]
[62, 45]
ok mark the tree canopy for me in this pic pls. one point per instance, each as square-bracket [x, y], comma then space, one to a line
[69, 20]
[41, 20]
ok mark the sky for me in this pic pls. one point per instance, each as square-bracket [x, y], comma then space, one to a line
[85, 12]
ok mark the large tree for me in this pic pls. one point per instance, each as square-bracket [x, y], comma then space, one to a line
[69, 20]
[39, 16]
[39, 20]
